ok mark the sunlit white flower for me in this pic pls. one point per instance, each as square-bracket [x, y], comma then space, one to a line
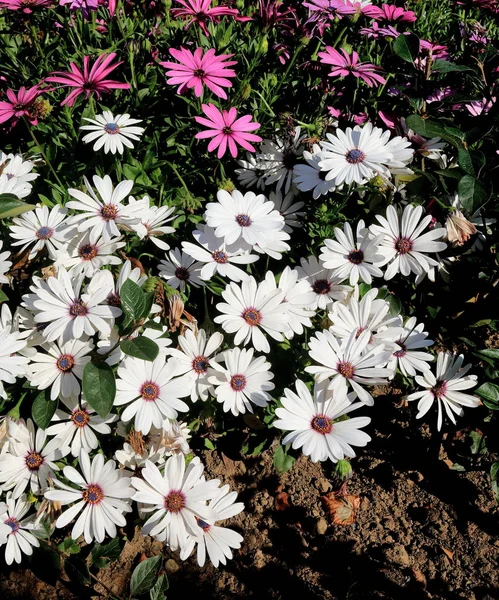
[103, 498]
[401, 155]
[310, 176]
[11, 364]
[18, 171]
[179, 269]
[407, 356]
[289, 209]
[273, 243]
[20, 539]
[112, 133]
[323, 282]
[11, 186]
[279, 156]
[311, 422]
[4, 265]
[87, 253]
[153, 221]
[243, 381]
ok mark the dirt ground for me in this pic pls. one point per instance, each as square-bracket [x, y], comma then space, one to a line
[421, 530]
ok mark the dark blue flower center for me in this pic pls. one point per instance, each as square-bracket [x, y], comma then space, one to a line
[220, 257]
[356, 257]
[243, 220]
[13, 524]
[321, 424]
[93, 494]
[355, 156]
[44, 233]
[111, 128]
[65, 363]
[149, 391]
[80, 418]
[200, 364]
[252, 316]
[33, 460]
[238, 382]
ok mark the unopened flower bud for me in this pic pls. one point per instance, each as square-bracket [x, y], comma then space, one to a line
[264, 45]
[343, 469]
[245, 91]
[150, 284]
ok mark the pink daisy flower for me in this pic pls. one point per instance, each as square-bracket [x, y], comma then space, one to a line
[90, 80]
[196, 70]
[25, 5]
[20, 104]
[201, 11]
[389, 12]
[226, 129]
[345, 64]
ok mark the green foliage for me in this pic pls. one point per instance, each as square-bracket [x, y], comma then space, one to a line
[99, 387]
[140, 347]
[282, 460]
[43, 409]
[144, 576]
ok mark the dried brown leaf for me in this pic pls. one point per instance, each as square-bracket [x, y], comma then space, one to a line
[282, 501]
[342, 509]
[448, 553]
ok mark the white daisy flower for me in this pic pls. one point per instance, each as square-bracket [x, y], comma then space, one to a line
[105, 279]
[105, 215]
[172, 438]
[403, 247]
[273, 243]
[4, 265]
[112, 133]
[76, 428]
[103, 498]
[217, 256]
[402, 154]
[445, 387]
[278, 157]
[43, 228]
[243, 382]
[289, 209]
[69, 313]
[61, 368]
[12, 186]
[407, 356]
[151, 392]
[20, 539]
[311, 176]
[252, 172]
[350, 364]
[218, 542]
[350, 258]
[179, 269]
[193, 361]
[323, 282]
[19, 171]
[355, 155]
[11, 364]
[178, 498]
[311, 422]
[236, 217]
[153, 223]
[30, 462]
[134, 459]
[248, 309]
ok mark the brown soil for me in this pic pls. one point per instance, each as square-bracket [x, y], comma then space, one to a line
[422, 530]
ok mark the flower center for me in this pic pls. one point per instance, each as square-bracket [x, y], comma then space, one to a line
[321, 424]
[238, 382]
[243, 220]
[182, 273]
[88, 251]
[220, 257]
[203, 524]
[289, 159]
[321, 286]
[34, 460]
[199, 73]
[439, 389]
[252, 316]
[227, 130]
[200, 364]
[403, 245]
[356, 257]
[14, 524]
[80, 418]
[355, 156]
[65, 363]
[93, 494]
[114, 300]
[109, 212]
[402, 352]
[149, 391]
[44, 233]
[112, 128]
[175, 501]
[346, 369]
[78, 309]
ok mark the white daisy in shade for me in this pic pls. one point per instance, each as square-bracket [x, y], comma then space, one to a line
[403, 247]
[323, 282]
[69, 313]
[4, 265]
[407, 356]
[311, 177]
[446, 388]
[402, 154]
[352, 258]
[11, 364]
[61, 368]
[30, 462]
[218, 542]
[193, 361]
[103, 498]
[179, 269]
[19, 530]
[151, 392]
[76, 428]
[278, 157]
[349, 364]
[178, 498]
[243, 381]
[11, 186]
[313, 426]
[250, 308]
[153, 221]
[105, 215]
[172, 438]
[16, 169]
[43, 228]
[289, 209]
[298, 298]
[112, 133]
[236, 217]
[251, 173]
[273, 244]
[355, 155]
[217, 256]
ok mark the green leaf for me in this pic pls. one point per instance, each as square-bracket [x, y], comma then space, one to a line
[3, 296]
[472, 195]
[111, 551]
[489, 393]
[133, 300]
[159, 588]
[494, 480]
[144, 576]
[443, 66]
[465, 162]
[429, 129]
[140, 347]
[487, 354]
[11, 206]
[43, 409]
[407, 47]
[77, 570]
[478, 445]
[99, 387]
[282, 461]
[46, 564]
